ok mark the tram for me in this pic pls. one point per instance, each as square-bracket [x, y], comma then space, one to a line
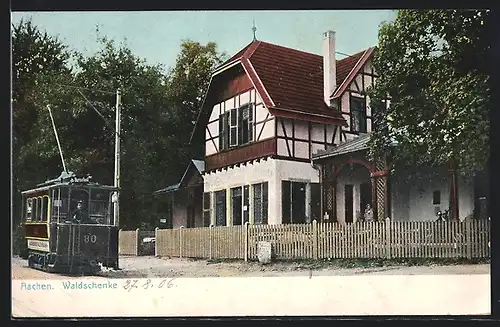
[69, 225]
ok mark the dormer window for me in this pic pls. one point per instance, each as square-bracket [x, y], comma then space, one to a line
[358, 115]
[236, 127]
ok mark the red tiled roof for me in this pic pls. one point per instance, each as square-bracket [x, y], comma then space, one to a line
[290, 80]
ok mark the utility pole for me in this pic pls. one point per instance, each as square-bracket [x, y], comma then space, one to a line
[57, 139]
[116, 202]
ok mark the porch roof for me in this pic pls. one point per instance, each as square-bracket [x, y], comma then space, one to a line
[168, 189]
[358, 144]
[200, 167]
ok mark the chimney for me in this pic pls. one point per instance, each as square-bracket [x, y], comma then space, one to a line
[329, 65]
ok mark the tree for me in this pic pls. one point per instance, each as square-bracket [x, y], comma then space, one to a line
[157, 114]
[432, 67]
[39, 61]
[148, 143]
[187, 84]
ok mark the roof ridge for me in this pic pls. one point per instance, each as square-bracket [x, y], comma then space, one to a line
[289, 48]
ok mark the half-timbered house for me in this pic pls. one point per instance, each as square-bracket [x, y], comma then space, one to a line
[285, 134]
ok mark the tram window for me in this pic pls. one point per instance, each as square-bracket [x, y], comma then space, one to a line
[55, 204]
[38, 209]
[29, 209]
[35, 209]
[99, 205]
[64, 204]
[44, 208]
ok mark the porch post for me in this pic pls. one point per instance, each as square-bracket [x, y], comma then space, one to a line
[374, 197]
[329, 190]
[452, 173]
[380, 190]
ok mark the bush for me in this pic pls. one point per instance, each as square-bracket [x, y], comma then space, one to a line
[19, 246]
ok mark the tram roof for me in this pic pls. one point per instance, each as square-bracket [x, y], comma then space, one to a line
[69, 179]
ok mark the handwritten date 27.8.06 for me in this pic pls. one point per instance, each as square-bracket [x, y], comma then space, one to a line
[147, 284]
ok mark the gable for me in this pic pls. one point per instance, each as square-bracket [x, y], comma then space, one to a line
[352, 66]
[289, 81]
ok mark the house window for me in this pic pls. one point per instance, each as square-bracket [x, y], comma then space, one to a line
[260, 200]
[358, 115]
[436, 197]
[293, 202]
[220, 208]
[235, 127]
[239, 205]
[207, 209]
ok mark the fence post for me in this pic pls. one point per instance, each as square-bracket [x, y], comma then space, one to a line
[156, 241]
[137, 241]
[246, 240]
[468, 238]
[315, 239]
[210, 241]
[180, 241]
[388, 241]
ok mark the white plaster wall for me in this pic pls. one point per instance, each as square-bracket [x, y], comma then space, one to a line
[345, 97]
[271, 170]
[301, 130]
[264, 130]
[329, 133]
[216, 110]
[282, 147]
[412, 197]
[210, 147]
[302, 150]
[421, 190]
[261, 113]
[400, 198]
[317, 132]
[213, 130]
[294, 171]
[465, 197]
[257, 172]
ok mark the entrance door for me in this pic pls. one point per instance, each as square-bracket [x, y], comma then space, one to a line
[366, 196]
[190, 216]
[298, 203]
[348, 203]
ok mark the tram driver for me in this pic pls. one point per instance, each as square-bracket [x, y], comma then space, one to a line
[80, 215]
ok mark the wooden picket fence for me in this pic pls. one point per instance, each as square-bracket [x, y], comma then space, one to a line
[128, 242]
[386, 239]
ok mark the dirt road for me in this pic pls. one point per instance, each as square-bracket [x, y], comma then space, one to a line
[142, 267]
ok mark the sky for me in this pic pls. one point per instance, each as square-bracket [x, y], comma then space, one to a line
[156, 35]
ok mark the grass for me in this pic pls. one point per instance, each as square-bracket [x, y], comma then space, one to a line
[368, 263]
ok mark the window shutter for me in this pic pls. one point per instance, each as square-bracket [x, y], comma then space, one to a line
[285, 202]
[264, 203]
[257, 204]
[250, 122]
[222, 131]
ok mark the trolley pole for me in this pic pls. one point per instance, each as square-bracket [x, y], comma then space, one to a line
[116, 204]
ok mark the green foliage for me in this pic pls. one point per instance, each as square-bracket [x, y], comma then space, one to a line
[157, 113]
[187, 83]
[432, 63]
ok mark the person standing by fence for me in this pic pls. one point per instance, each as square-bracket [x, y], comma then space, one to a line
[368, 213]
